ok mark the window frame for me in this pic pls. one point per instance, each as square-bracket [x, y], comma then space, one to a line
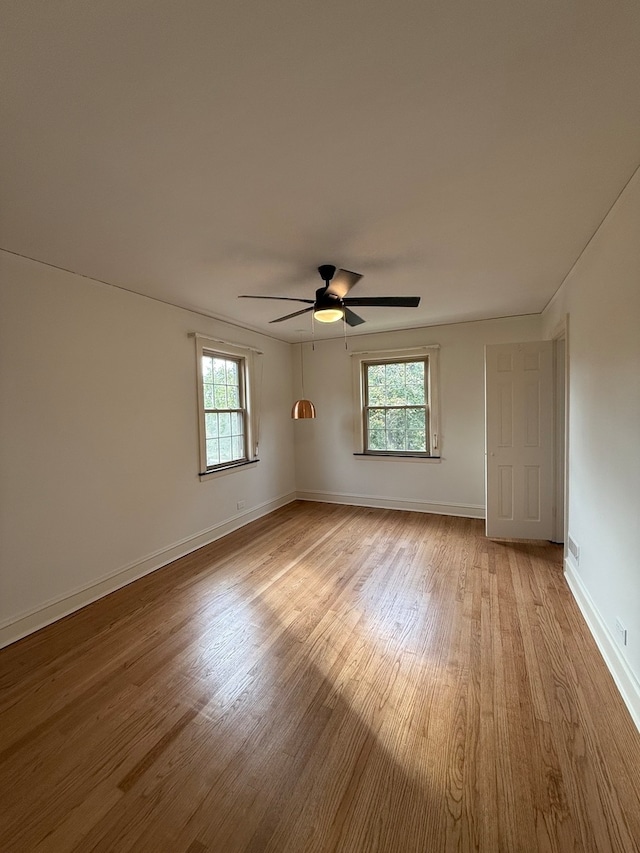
[360, 361]
[244, 359]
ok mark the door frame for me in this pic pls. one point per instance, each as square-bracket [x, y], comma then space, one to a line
[560, 334]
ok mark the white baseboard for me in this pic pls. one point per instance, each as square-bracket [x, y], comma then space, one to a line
[462, 510]
[26, 623]
[625, 680]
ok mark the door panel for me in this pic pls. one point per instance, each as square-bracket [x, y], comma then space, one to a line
[519, 440]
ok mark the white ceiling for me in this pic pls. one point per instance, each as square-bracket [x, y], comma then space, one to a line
[460, 151]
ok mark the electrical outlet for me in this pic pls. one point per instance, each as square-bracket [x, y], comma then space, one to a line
[574, 549]
[241, 504]
[621, 631]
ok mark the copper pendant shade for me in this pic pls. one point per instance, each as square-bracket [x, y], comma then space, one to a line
[303, 409]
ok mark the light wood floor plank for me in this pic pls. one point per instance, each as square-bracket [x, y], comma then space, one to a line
[325, 679]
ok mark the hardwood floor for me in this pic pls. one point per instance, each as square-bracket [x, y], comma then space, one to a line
[325, 679]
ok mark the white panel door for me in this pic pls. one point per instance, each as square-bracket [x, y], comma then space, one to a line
[519, 440]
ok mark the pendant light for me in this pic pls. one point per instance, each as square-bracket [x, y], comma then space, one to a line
[302, 408]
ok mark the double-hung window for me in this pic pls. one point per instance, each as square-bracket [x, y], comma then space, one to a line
[225, 406]
[397, 396]
[225, 413]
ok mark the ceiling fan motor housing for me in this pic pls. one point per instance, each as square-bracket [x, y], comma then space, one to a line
[327, 300]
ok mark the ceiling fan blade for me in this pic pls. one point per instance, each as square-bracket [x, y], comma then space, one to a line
[285, 298]
[342, 282]
[385, 301]
[295, 314]
[351, 318]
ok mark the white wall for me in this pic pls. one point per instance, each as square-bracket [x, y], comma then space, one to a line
[326, 468]
[601, 297]
[99, 452]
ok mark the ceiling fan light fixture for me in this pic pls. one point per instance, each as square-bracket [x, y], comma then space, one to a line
[328, 315]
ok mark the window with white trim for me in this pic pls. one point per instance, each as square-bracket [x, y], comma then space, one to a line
[397, 403]
[225, 413]
[225, 406]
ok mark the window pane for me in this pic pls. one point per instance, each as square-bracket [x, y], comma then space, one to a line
[415, 418]
[220, 397]
[225, 450]
[395, 385]
[211, 425]
[219, 371]
[416, 440]
[375, 374]
[396, 439]
[397, 419]
[415, 382]
[232, 373]
[376, 418]
[238, 447]
[414, 371]
[207, 368]
[375, 383]
[208, 396]
[233, 397]
[225, 423]
[213, 457]
[376, 389]
[237, 424]
[377, 395]
[377, 439]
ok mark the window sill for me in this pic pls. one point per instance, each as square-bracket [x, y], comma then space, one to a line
[399, 457]
[218, 472]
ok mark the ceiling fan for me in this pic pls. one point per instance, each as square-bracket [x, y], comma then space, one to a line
[332, 303]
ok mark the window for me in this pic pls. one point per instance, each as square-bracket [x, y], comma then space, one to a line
[397, 403]
[225, 411]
